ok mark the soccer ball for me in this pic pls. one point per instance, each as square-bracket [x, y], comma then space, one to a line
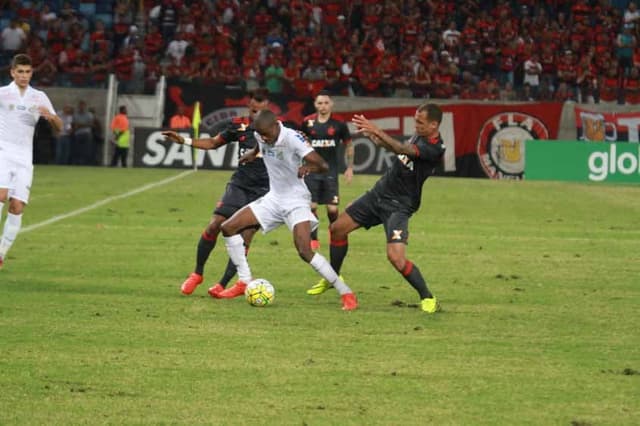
[260, 292]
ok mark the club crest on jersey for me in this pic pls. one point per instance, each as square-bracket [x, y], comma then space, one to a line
[500, 145]
[331, 131]
[310, 123]
[243, 127]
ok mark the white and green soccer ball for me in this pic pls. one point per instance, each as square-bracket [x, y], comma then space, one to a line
[260, 292]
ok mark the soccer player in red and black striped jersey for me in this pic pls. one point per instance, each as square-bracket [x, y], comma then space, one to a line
[326, 132]
[249, 182]
[395, 197]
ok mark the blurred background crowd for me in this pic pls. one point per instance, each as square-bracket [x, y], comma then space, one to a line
[584, 50]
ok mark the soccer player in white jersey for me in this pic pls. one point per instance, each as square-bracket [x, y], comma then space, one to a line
[21, 106]
[289, 158]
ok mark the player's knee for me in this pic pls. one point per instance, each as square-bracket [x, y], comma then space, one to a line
[227, 229]
[16, 207]
[332, 214]
[213, 228]
[336, 231]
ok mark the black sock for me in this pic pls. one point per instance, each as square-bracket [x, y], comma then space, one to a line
[337, 252]
[229, 273]
[205, 246]
[412, 274]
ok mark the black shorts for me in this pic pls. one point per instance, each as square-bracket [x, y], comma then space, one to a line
[323, 188]
[370, 210]
[235, 198]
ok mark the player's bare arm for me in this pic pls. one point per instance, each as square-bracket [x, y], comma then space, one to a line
[313, 163]
[380, 137]
[350, 154]
[53, 119]
[201, 143]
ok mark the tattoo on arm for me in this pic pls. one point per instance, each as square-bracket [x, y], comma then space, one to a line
[350, 152]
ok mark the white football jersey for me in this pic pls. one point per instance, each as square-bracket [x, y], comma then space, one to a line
[18, 118]
[283, 160]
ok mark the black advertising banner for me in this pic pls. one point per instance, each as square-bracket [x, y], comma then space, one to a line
[482, 140]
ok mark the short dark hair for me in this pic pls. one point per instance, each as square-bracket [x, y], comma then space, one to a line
[122, 109]
[260, 94]
[264, 119]
[322, 93]
[434, 113]
[21, 59]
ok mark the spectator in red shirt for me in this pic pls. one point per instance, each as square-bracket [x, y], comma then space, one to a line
[229, 69]
[262, 21]
[153, 42]
[507, 62]
[123, 67]
[100, 39]
[99, 67]
[586, 80]
[568, 72]
[609, 85]
[369, 80]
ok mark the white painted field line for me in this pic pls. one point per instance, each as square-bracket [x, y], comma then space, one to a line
[107, 200]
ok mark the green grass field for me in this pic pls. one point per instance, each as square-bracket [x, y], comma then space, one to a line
[539, 282]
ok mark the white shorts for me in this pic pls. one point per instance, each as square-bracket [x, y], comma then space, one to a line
[16, 177]
[272, 212]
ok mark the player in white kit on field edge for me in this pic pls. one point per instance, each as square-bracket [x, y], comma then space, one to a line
[21, 106]
[288, 157]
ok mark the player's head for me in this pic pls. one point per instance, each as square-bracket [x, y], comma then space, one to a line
[323, 103]
[21, 70]
[428, 118]
[266, 124]
[122, 109]
[258, 101]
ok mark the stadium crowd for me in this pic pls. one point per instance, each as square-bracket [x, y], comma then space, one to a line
[584, 50]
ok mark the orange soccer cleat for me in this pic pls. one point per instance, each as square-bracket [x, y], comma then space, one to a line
[349, 302]
[190, 284]
[235, 291]
[215, 291]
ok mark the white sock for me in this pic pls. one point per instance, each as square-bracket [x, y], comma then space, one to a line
[320, 264]
[236, 251]
[10, 232]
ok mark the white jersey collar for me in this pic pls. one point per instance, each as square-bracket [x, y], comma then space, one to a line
[13, 86]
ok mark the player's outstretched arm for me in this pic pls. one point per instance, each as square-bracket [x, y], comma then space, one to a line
[380, 137]
[204, 143]
[313, 163]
